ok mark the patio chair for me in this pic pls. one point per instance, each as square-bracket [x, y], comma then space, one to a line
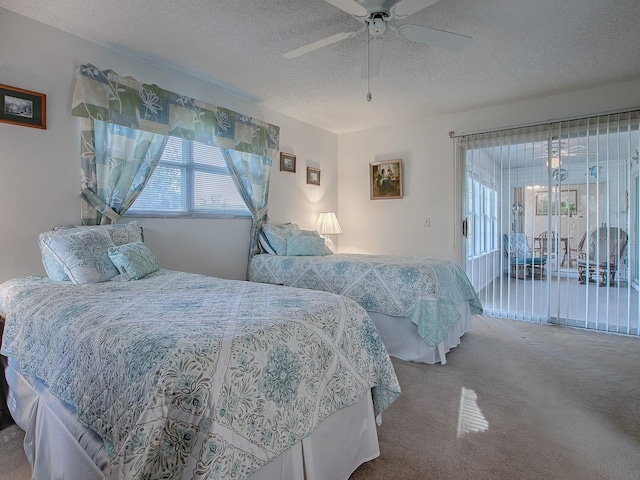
[600, 260]
[521, 260]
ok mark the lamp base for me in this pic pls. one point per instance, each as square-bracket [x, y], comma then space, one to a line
[327, 241]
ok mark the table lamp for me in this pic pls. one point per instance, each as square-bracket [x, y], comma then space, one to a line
[328, 225]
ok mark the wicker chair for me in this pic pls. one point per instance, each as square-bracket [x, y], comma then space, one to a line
[599, 258]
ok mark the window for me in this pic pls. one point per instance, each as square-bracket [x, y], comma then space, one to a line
[191, 180]
[483, 212]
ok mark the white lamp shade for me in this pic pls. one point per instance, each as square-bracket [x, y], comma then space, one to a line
[328, 224]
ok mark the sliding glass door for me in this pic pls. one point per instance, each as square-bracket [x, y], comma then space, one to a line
[634, 202]
[551, 221]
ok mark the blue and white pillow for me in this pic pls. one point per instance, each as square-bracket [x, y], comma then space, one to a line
[307, 245]
[134, 260]
[307, 233]
[273, 239]
[276, 236]
[83, 254]
[119, 233]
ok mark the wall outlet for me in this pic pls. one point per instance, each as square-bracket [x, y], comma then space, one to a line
[427, 221]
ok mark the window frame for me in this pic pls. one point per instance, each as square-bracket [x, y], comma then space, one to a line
[190, 167]
[483, 231]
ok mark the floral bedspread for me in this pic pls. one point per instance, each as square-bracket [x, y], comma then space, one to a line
[195, 376]
[426, 290]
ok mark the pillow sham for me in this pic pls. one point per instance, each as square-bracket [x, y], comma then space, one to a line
[134, 260]
[307, 245]
[83, 254]
[308, 233]
[119, 233]
[276, 236]
[264, 243]
[313, 233]
[55, 270]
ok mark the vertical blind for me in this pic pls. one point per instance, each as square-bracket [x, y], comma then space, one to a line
[569, 189]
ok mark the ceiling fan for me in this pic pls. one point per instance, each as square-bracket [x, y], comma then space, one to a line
[560, 149]
[376, 15]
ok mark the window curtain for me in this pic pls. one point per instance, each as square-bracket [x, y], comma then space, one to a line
[105, 96]
[116, 163]
[251, 174]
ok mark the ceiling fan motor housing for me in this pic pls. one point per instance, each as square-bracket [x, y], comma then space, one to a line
[377, 24]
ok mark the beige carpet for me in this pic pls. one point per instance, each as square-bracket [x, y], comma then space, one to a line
[559, 403]
[515, 401]
[13, 463]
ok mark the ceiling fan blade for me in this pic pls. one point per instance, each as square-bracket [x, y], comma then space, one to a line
[316, 45]
[433, 37]
[579, 154]
[349, 6]
[375, 54]
[409, 7]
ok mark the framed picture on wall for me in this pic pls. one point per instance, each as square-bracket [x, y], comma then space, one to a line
[313, 176]
[563, 203]
[385, 179]
[23, 107]
[287, 162]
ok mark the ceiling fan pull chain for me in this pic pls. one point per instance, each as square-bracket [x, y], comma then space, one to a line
[368, 65]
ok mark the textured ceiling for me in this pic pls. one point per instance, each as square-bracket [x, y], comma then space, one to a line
[521, 49]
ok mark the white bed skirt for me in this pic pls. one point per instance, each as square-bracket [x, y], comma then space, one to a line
[59, 447]
[401, 339]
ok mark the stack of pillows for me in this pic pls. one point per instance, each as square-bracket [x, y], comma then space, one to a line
[92, 254]
[289, 239]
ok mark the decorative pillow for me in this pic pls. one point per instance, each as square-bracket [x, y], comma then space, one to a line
[308, 233]
[122, 233]
[264, 243]
[83, 255]
[276, 236]
[520, 245]
[305, 245]
[55, 270]
[134, 260]
[313, 233]
[119, 233]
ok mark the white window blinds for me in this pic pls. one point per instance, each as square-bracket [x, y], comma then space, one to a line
[191, 180]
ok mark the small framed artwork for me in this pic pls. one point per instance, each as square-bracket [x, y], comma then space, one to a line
[23, 107]
[313, 176]
[287, 162]
[564, 202]
[385, 179]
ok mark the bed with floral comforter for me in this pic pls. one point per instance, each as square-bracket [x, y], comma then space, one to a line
[195, 376]
[428, 291]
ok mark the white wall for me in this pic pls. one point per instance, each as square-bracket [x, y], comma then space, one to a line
[40, 169]
[396, 226]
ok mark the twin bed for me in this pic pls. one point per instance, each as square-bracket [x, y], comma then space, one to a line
[421, 306]
[162, 374]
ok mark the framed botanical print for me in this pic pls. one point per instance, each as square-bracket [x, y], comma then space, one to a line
[313, 176]
[287, 162]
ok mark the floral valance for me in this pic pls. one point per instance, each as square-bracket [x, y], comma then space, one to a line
[104, 95]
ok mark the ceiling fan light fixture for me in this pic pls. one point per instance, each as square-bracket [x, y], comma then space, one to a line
[555, 162]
